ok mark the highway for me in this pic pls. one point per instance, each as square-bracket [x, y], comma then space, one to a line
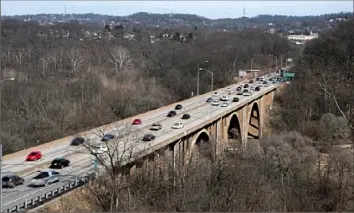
[82, 160]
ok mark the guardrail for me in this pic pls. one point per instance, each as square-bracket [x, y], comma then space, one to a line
[38, 197]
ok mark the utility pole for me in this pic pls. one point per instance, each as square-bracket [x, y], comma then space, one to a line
[281, 61]
[198, 80]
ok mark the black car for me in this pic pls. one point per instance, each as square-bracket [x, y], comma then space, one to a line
[178, 107]
[258, 79]
[251, 81]
[11, 180]
[257, 88]
[171, 113]
[209, 100]
[238, 88]
[186, 116]
[245, 86]
[265, 82]
[148, 137]
[107, 137]
[235, 99]
[77, 141]
[59, 163]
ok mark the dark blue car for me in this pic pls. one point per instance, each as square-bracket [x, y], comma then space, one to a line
[209, 100]
[107, 137]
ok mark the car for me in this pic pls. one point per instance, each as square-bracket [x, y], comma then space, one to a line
[239, 92]
[235, 99]
[261, 78]
[270, 79]
[45, 177]
[171, 113]
[224, 104]
[246, 93]
[177, 125]
[99, 149]
[186, 116]
[148, 137]
[265, 82]
[215, 103]
[251, 81]
[178, 107]
[257, 79]
[156, 127]
[34, 155]
[107, 137]
[77, 141]
[59, 163]
[136, 121]
[216, 94]
[257, 88]
[238, 88]
[209, 100]
[245, 86]
[11, 181]
[228, 89]
[224, 98]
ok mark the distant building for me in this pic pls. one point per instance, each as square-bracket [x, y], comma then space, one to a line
[302, 38]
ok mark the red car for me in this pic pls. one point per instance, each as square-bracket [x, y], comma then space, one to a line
[136, 121]
[33, 156]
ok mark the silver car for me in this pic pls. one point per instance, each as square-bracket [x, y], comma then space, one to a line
[45, 177]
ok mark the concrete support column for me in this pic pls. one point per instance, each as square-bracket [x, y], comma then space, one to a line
[168, 162]
[244, 125]
[262, 111]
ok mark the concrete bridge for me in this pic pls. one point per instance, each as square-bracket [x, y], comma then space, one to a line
[209, 131]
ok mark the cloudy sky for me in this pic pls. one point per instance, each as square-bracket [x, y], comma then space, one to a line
[209, 9]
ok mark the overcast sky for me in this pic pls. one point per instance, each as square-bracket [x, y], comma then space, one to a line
[209, 9]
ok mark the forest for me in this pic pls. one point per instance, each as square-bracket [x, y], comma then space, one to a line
[65, 85]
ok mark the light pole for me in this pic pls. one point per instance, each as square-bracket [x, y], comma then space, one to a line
[7, 79]
[198, 81]
[212, 77]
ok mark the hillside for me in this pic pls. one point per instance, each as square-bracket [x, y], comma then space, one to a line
[283, 24]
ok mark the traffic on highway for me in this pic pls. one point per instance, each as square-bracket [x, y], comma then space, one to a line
[70, 158]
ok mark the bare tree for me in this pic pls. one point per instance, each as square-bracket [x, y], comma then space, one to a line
[120, 58]
[114, 165]
[76, 60]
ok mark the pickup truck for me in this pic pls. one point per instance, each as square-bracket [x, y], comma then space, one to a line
[45, 177]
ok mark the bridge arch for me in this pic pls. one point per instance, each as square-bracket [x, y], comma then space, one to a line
[234, 131]
[201, 145]
[254, 124]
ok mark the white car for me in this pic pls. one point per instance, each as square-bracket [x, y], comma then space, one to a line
[99, 149]
[224, 98]
[216, 94]
[224, 104]
[239, 92]
[177, 125]
[215, 103]
[246, 93]
[228, 89]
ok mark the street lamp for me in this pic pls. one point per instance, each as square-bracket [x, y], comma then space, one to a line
[7, 79]
[212, 78]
